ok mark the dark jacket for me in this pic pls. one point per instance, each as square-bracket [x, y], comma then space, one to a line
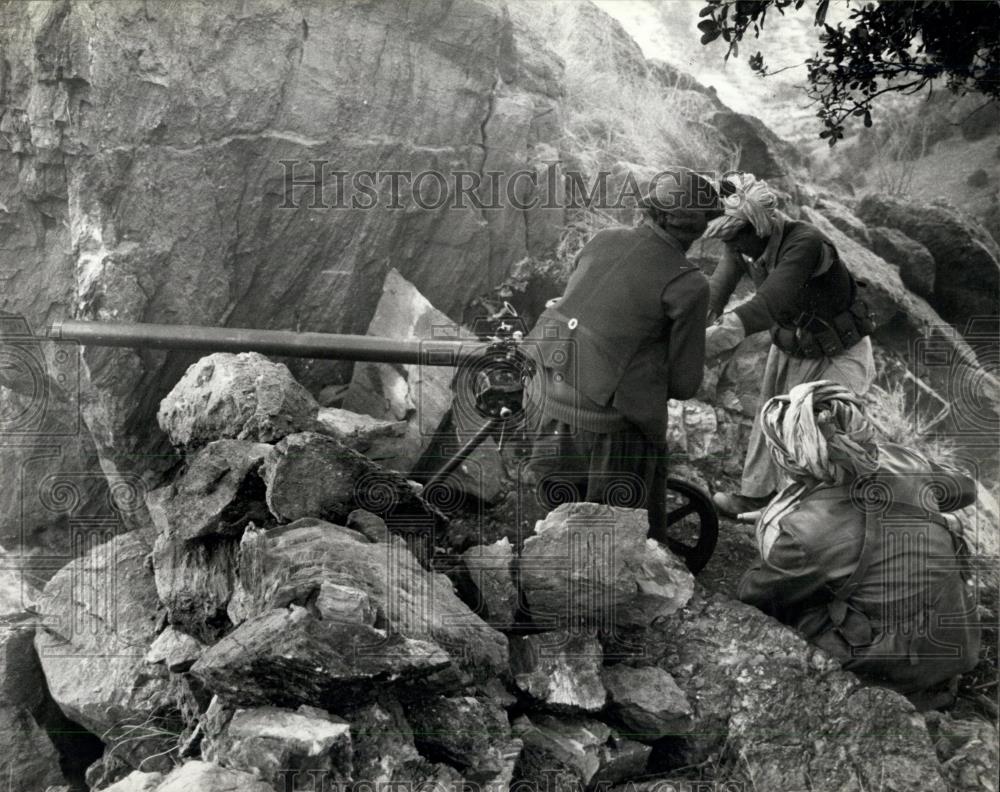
[807, 278]
[901, 616]
[627, 334]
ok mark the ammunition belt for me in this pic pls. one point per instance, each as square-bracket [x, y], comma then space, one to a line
[832, 338]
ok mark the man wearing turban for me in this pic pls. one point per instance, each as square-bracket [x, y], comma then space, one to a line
[804, 295]
[626, 335]
[858, 552]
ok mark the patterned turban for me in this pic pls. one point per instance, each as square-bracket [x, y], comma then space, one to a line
[745, 200]
[819, 431]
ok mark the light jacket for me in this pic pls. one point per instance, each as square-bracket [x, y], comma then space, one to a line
[868, 572]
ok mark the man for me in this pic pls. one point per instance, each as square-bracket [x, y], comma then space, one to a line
[856, 553]
[804, 295]
[627, 335]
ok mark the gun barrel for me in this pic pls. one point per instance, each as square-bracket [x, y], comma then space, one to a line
[329, 346]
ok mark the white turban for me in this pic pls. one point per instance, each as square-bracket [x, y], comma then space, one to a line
[745, 200]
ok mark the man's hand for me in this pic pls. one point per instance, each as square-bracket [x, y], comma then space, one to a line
[724, 335]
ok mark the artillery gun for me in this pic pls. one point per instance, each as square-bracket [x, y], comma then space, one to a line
[492, 370]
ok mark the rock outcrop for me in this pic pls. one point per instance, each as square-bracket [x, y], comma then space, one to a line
[966, 257]
[915, 262]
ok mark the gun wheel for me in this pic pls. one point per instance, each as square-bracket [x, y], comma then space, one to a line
[692, 523]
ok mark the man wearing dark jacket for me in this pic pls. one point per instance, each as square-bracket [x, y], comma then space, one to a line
[627, 335]
[807, 299]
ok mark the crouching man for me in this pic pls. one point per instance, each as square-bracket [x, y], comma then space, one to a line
[627, 334]
[858, 553]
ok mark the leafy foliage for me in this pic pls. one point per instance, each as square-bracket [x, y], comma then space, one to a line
[884, 47]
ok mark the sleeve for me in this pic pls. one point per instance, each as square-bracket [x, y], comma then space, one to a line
[778, 297]
[781, 584]
[685, 303]
[723, 281]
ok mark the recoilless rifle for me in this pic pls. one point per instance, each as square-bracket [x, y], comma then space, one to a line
[491, 374]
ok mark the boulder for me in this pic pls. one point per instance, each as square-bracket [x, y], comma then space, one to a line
[646, 700]
[967, 750]
[377, 439]
[915, 262]
[210, 777]
[417, 393]
[345, 579]
[621, 759]
[313, 475]
[304, 749]
[176, 650]
[137, 781]
[199, 519]
[288, 657]
[966, 257]
[762, 152]
[384, 751]
[26, 751]
[756, 687]
[100, 618]
[567, 752]
[241, 396]
[369, 525]
[492, 592]
[560, 669]
[844, 219]
[471, 734]
[593, 564]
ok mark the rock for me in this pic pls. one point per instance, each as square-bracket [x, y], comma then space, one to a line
[308, 747]
[217, 494]
[621, 759]
[966, 257]
[241, 396]
[981, 122]
[594, 564]
[844, 219]
[647, 701]
[288, 657]
[692, 429]
[756, 687]
[209, 777]
[176, 650]
[312, 475]
[978, 178]
[967, 750]
[489, 576]
[369, 525]
[377, 439]
[312, 563]
[740, 378]
[384, 752]
[416, 393]
[560, 669]
[199, 519]
[137, 781]
[567, 752]
[915, 262]
[100, 618]
[470, 734]
[762, 153]
[26, 751]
